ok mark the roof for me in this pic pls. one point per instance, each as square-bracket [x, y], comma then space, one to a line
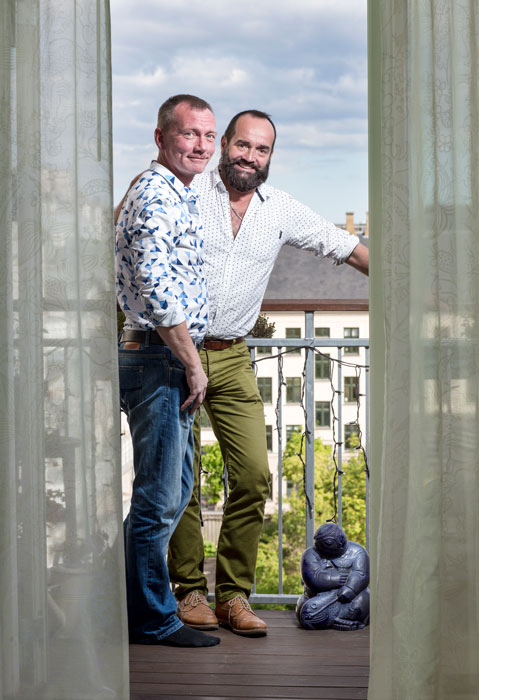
[299, 274]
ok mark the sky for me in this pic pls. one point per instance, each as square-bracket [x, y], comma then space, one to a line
[302, 61]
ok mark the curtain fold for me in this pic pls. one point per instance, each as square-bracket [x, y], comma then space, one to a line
[424, 313]
[62, 592]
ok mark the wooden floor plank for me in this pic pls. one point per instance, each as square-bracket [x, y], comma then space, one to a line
[308, 668]
[255, 679]
[306, 693]
[143, 696]
[288, 664]
[232, 645]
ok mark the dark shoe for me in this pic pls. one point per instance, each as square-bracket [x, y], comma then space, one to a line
[183, 637]
[237, 615]
[194, 611]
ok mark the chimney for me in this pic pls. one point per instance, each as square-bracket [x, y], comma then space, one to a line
[350, 222]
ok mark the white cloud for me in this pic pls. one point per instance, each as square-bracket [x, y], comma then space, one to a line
[324, 134]
[150, 79]
[237, 77]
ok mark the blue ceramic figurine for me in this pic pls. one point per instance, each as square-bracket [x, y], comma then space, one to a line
[335, 576]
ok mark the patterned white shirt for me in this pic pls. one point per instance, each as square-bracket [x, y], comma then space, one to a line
[159, 255]
[238, 269]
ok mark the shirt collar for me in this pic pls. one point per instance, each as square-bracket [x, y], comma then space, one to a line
[186, 193]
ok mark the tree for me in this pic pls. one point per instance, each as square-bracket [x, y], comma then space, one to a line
[120, 319]
[263, 328]
[212, 481]
[353, 509]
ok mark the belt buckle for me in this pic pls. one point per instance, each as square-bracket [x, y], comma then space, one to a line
[200, 344]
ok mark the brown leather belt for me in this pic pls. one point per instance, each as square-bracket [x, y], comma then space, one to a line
[140, 336]
[220, 343]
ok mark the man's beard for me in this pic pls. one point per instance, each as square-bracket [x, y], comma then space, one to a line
[238, 181]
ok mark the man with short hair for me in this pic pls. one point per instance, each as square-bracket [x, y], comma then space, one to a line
[161, 288]
[246, 222]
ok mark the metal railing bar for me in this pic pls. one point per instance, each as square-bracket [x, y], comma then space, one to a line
[279, 416]
[309, 432]
[307, 342]
[266, 598]
[252, 358]
[366, 356]
[269, 598]
[340, 434]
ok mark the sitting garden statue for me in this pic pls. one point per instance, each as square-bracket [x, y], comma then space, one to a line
[335, 576]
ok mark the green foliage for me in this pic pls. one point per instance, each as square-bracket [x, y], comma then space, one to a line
[120, 321]
[263, 328]
[212, 483]
[210, 550]
[353, 509]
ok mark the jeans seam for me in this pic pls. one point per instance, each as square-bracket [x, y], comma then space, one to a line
[158, 477]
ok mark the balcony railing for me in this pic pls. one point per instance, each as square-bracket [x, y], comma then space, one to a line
[280, 347]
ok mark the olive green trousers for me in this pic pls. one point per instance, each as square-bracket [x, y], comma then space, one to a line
[236, 412]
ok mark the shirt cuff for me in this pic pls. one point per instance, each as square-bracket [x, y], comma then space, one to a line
[172, 316]
[355, 241]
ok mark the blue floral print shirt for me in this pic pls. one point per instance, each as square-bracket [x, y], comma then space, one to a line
[159, 268]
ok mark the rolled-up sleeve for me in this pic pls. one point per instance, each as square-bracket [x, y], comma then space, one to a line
[310, 231]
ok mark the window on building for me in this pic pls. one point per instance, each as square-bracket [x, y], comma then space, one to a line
[350, 432]
[350, 387]
[269, 439]
[270, 496]
[351, 333]
[264, 384]
[322, 366]
[291, 429]
[293, 333]
[322, 332]
[323, 414]
[263, 351]
[293, 389]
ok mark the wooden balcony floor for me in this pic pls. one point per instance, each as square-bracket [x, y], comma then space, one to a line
[288, 663]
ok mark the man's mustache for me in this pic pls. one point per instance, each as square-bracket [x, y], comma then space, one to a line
[241, 161]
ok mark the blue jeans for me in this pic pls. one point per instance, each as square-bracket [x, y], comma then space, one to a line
[152, 388]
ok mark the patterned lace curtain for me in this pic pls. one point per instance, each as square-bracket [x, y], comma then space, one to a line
[63, 632]
[424, 305]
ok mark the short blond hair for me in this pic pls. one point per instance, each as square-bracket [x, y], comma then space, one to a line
[166, 111]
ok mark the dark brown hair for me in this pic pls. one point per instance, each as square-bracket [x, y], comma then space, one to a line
[230, 130]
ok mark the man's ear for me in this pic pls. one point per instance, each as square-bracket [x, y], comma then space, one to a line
[158, 137]
[223, 143]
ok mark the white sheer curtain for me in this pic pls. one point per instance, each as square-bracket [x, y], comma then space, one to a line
[63, 618]
[424, 253]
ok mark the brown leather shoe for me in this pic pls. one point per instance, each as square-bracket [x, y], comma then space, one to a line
[194, 611]
[240, 618]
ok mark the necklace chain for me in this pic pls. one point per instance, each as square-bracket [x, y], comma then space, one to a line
[235, 212]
